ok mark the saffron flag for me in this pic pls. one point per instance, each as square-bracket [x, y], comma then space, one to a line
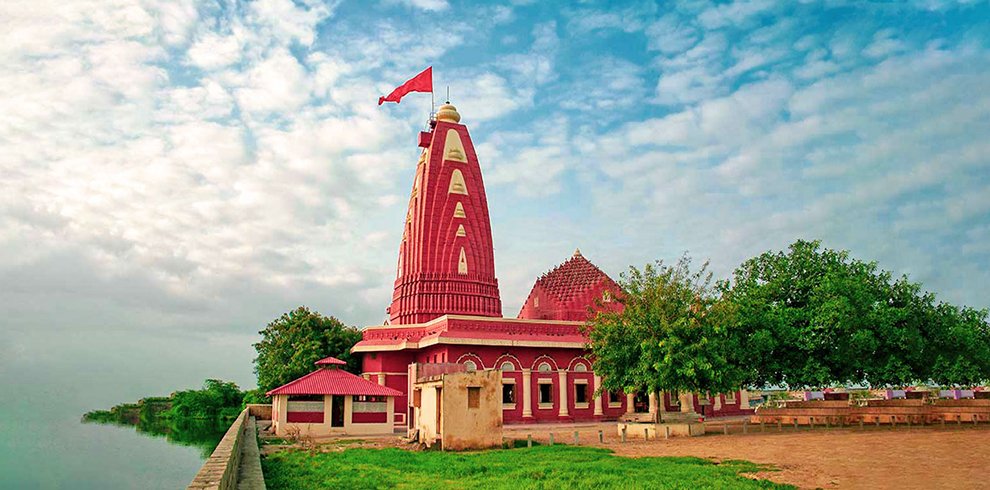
[419, 83]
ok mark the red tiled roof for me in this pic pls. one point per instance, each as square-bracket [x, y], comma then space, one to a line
[330, 361]
[570, 279]
[332, 382]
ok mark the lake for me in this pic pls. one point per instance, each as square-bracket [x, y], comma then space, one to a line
[67, 453]
[49, 381]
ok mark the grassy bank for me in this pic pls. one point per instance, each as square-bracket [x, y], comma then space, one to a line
[539, 467]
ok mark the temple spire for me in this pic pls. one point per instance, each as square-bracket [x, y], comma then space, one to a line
[446, 261]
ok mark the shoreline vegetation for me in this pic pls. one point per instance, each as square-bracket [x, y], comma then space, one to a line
[196, 418]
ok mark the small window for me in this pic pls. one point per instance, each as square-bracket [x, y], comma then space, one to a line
[474, 397]
[369, 398]
[470, 365]
[675, 398]
[614, 397]
[730, 398]
[462, 265]
[606, 296]
[580, 368]
[508, 394]
[536, 302]
[417, 398]
[581, 393]
[544, 368]
[546, 393]
[508, 366]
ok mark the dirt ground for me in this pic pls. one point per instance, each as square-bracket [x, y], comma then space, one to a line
[918, 457]
[874, 457]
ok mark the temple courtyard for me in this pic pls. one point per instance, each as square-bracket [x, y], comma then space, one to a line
[884, 457]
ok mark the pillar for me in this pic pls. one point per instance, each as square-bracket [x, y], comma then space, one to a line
[630, 403]
[687, 402]
[653, 403]
[717, 404]
[381, 379]
[743, 399]
[661, 403]
[527, 387]
[598, 396]
[562, 374]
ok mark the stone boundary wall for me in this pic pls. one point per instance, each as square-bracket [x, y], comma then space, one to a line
[260, 411]
[877, 412]
[219, 472]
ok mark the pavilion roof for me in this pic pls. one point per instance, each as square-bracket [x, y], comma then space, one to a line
[332, 382]
[330, 361]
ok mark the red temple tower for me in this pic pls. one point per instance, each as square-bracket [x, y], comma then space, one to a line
[446, 306]
[446, 260]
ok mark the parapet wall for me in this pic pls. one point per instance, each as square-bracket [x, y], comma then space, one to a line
[219, 472]
[260, 411]
[912, 411]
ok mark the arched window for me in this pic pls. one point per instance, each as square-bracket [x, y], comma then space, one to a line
[580, 368]
[507, 366]
[459, 211]
[470, 365]
[607, 296]
[544, 367]
[462, 266]
[457, 185]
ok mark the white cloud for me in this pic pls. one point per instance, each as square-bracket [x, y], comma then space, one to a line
[428, 5]
[214, 51]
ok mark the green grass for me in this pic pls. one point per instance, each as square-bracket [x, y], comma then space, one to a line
[538, 467]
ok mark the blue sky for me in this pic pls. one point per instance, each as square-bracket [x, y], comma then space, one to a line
[186, 170]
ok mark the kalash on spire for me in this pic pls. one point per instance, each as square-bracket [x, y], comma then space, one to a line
[446, 261]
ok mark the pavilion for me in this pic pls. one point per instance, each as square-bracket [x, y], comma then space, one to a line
[331, 401]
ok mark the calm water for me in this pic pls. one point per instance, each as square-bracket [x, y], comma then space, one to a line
[48, 382]
[66, 453]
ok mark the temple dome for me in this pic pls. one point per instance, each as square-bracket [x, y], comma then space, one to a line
[568, 290]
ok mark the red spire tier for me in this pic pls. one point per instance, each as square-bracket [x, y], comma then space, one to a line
[446, 260]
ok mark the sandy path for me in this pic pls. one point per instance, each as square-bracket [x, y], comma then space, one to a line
[872, 458]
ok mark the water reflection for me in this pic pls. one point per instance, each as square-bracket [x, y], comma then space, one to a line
[201, 434]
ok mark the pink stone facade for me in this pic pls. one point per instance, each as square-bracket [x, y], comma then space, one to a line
[446, 306]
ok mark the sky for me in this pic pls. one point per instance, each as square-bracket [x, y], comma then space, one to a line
[177, 174]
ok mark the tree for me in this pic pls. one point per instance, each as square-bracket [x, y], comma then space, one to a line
[217, 400]
[814, 317]
[960, 346]
[292, 343]
[673, 333]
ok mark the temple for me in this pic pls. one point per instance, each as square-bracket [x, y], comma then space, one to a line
[446, 306]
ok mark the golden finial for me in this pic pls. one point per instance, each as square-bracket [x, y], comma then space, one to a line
[448, 113]
[577, 252]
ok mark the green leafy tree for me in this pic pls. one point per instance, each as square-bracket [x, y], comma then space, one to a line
[814, 317]
[217, 400]
[292, 343]
[673, 333]
[960, 346]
